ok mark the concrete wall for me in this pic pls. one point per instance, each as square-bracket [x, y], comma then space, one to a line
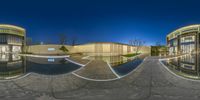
[145, 49]
[43, 49]
[92, 49]
[83, 48]
[124, 49]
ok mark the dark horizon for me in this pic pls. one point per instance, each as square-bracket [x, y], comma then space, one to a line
[100, 21]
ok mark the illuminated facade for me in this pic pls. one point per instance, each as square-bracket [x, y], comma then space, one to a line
[184, 40]
[104, 49]
[108, 49]
[12, 39]
[91, 49]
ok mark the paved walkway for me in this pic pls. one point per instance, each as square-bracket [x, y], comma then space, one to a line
[97, 70]
[79, 60]
[151, 81]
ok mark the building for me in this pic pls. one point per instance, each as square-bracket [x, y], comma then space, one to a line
[108, 49]
[158, 51]
[91, 49]
[184, 40]
[12, 39]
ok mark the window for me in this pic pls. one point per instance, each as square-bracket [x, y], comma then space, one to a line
[51, 49]
[51, 59]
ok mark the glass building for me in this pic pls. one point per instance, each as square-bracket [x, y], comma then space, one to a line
[12, 39]
[184, 40]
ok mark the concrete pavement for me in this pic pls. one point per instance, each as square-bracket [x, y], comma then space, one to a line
[151, 81]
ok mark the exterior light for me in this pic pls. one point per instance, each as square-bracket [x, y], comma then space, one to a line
[41, 43]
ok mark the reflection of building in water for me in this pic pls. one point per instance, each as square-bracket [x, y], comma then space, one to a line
[174, 62]
[46, 60]
[9, 57]
[188, 62]
[184, 40]
[185, 65]
[113, 60]
[119, 60]
[11, 66]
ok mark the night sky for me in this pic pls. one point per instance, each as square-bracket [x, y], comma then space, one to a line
[100, 20]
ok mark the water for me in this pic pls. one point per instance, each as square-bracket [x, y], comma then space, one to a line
[121, 65]
[113, 60]
[125, 68]
[187, 66]
[12, 66]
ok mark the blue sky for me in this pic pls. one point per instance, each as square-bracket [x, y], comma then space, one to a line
[100, 20]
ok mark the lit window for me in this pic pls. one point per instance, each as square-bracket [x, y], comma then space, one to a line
[51, 49]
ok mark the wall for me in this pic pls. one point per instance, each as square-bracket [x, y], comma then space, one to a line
[43, 49]
[83, 49]
[92, 49]
[145, 49]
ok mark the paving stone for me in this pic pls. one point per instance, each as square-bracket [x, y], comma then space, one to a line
[151, 81]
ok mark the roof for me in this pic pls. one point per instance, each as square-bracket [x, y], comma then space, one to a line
[104, 43]
[11, 26]
[195, 27]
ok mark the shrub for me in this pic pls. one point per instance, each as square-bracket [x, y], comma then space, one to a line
[64, 49]
[131, 55]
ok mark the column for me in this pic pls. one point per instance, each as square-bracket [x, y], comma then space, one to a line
[197, 52]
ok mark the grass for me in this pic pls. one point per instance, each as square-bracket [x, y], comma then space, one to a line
[131, 55]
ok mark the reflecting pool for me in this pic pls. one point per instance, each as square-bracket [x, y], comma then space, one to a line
[12, 66]
[121, 65]
[186, 66]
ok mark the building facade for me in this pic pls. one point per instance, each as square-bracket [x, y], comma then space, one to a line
[103, 49]
[91, 49]
[107, 49]
[184, 40]
[12, 39]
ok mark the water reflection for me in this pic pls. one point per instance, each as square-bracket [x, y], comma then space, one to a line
[186, 66]
[113, 60]
[12, 66]
[121, 65]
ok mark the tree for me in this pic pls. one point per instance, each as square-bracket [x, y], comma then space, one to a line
[74, 40]
[62, 38]
[137, 43]
[64, 49]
